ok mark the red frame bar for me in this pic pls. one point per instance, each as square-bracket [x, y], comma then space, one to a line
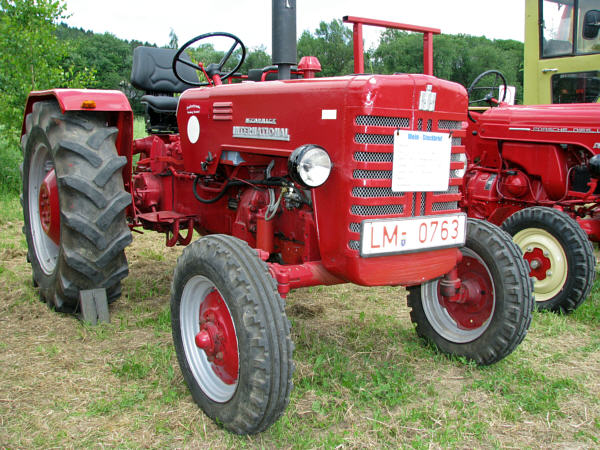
[359, 58]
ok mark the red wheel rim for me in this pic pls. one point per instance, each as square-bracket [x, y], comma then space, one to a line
[539, 264]
[217, 337]
[49, 207]
[475, 303]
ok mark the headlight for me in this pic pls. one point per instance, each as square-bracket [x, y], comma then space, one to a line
[309, 166]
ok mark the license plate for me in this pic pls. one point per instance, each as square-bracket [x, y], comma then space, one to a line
[394, 236]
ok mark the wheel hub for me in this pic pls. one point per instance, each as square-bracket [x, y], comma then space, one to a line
[539, 264]
[547, 261]
[217, 337]
[474, 304]
[49, 207]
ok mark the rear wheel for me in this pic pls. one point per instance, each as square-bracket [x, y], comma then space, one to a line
[559, 253]
[492, 311]
[231, 334]
[73, 204]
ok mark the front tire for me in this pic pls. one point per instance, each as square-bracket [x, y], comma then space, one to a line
[231, 334]
[493, 312]
[560, 256]
[74, 205]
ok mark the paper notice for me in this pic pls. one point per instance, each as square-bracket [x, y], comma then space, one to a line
[421, 161]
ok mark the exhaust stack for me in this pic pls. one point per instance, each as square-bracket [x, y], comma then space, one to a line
[284, 36]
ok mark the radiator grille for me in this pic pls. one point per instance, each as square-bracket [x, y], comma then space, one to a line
[372, 174]
[373, 157]
[381, 139]
[374, 198]
[449, 125]
[375, 192]
[383, 121]
[377, 210]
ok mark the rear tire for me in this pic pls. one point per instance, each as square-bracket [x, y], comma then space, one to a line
[88, 252]
[231, 334]
[559, 254]
[494, 313]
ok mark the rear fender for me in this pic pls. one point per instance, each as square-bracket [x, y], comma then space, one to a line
[95, 100]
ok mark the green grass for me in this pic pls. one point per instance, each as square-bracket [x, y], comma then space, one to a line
[363, 377]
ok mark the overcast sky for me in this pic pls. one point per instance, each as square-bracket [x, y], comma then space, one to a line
[152, 20]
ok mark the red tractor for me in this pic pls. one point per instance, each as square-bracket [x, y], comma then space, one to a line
[534, 170]
[294, 182]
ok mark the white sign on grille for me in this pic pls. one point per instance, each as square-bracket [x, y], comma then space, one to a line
[421, 161]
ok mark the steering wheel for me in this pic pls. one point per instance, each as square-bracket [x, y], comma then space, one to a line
[211, 69]
[491, 84]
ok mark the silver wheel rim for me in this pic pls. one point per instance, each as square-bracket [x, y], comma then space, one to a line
[46, 251]
[194, 293]
[440, 319]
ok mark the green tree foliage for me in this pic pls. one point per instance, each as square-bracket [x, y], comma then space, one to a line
[332, 44]
[457, 58]
[31, 58]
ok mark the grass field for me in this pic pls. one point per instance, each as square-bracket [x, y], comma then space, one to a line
[363, 378]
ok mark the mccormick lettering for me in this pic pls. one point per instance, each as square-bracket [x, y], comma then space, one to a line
[270, 133]
[265, 121]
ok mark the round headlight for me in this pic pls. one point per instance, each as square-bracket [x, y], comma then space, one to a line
[309, 166]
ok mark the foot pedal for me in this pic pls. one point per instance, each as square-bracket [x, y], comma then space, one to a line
[93, 305]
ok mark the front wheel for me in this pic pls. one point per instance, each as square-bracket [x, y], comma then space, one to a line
[231, 334]
[492, 311]
[559, 253]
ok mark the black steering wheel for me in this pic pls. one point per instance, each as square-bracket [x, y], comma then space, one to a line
[211, 69]
[490, 81]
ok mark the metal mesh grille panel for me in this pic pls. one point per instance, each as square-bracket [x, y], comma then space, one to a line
[354, 245]
[382, 121]
[355, 227]
[373, 157]
[451, 190]
[429, 125]
[420, 125]
[455, 156]
[444, 206]
[372, 174]
[375, 192]
[381, 139]
[449, 125]
[456, 141]
[377, 210]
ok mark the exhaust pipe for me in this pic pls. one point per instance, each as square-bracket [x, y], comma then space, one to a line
[284, 37]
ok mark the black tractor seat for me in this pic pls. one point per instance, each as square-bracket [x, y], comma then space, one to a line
[152, 73]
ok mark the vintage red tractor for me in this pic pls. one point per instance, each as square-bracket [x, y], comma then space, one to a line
[534, 170]
[291, 183]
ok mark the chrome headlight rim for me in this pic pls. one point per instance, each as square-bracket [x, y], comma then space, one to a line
[310, 166]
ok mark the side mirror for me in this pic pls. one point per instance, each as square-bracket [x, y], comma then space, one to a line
[591, 24]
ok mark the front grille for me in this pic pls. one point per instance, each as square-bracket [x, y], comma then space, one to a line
[372, 174]
[377, 210]
[380, 139]
[449, 125]
[377, 192]
[383, 121]
[372, 195]
[373, 157]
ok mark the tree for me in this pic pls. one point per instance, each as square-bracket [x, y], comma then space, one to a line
[31, 56]
[332, 44]
[173, 41]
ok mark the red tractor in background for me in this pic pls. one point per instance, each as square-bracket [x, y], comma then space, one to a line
[292, 183]
[534, 170]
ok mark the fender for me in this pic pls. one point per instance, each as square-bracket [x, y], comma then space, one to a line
[95, 100]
